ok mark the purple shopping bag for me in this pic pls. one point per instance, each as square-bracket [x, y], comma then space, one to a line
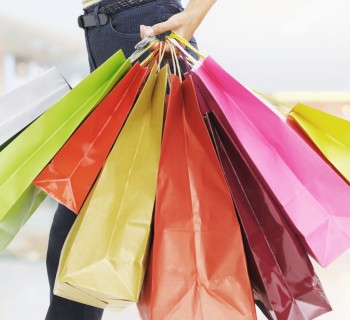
[285, 272]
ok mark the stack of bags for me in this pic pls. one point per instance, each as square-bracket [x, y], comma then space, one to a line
[194, 201]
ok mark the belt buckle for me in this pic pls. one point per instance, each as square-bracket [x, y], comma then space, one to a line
[81, 21]
[88, 20]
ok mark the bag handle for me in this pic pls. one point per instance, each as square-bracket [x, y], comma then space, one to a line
[186, 44]
[175, 59]
[281, 106]
[184, 52]
[142, 47]
[176, 39]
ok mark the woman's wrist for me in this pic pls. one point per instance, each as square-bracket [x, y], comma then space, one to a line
[193, 16]
[198, 9]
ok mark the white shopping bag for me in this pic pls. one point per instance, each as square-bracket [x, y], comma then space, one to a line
[24, 104]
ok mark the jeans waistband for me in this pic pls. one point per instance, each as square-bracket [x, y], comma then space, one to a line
[109, 7]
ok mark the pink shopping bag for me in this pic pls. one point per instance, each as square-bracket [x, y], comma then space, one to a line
[313, 195]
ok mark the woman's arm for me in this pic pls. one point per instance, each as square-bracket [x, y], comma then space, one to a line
[184, 23]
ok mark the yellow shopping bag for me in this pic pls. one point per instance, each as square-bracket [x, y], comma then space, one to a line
[329, 133]
[104, 259]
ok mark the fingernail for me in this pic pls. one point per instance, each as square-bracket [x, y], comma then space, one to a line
[148, 31]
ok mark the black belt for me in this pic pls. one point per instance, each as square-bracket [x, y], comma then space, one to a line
[88, 20]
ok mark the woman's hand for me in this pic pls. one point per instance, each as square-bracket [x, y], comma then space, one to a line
[184, 23]
[180, 23]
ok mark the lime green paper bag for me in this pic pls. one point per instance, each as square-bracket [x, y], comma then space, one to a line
[104, 259]
[329, 133]
[23, 159]
[20, 212]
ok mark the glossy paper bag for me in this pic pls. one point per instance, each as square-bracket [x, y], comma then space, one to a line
[24, 104]
[197, 266]
[329, 133]
[293, 289]
[71, 173]
[105, 255]
[314, 197]
[23, 159]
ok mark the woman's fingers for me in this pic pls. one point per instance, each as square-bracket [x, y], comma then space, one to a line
[173, 24]
[146, 31]
[178, 23]
[162, 27]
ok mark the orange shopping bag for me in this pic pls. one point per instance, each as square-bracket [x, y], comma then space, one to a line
[197, 267]
[72, 172]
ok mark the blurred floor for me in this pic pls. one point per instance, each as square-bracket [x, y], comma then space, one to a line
[24, 291]
[24, 287]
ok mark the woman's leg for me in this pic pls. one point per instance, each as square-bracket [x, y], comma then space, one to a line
[60, 308]
[122, 31]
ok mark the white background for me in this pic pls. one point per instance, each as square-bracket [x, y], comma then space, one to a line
[270, 45]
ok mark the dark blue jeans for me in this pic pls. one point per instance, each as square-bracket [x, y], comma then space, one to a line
[122, 31]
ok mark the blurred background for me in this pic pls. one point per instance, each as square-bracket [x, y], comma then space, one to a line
[293, 50]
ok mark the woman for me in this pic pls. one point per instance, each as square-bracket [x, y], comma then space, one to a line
[111, 25]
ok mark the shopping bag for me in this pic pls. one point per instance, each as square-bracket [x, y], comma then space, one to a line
[312, 194]
[19, 214]
[23, 159]
[104, 258]
[197, 268]
[292, 287]
[259, 292]
[24, 104]
[329, 133]
[71, 173]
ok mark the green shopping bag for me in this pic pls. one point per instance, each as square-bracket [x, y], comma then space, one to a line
[24, 158]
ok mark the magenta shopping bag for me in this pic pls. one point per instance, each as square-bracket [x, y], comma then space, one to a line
[314, 197]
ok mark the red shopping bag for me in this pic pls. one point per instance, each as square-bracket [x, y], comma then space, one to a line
[72, 172]
[197, 267]
[293, 289]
